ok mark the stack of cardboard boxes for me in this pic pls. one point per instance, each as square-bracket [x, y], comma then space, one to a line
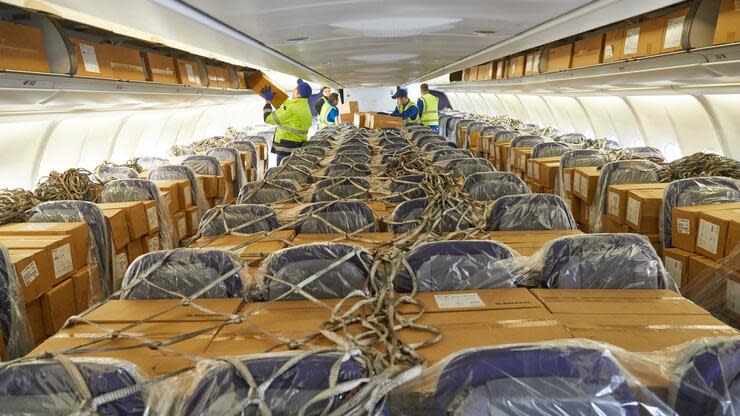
[580, 185]
[499, 155]
[635, 208]
[542, 173]
[51, 261]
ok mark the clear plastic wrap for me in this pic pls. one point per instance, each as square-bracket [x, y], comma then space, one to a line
[530, 212]
[549, 149]
[268, 192]
[504, 136]
[203, 165]
[473, 127]
[451, 130]
[456, 265]
[433, 146]
[15, 331]
[172, 172]
[337, 217]
[101, 249]
[404, 188]
[523, 141]
[409, 215]
[571, 138]
[694, 191]
[127, 190]
[346, 170]
[108, 173]
[615, 173]
[417, 134]
[644, 152]
[71, 386]
[277, 384]
[239, 218]
[321, 270]
[298, 174]
[226, 154]
[489, 186]
[568, 377]
[602, 261]
[185, 272]
[445, 155]
[350, 158]
[300, 159]
[579, 158]
[462, 168]
[151, 162]
[341, 188]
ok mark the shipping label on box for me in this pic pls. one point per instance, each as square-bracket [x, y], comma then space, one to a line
[152, 218]
[30, 273]
[675, 269]
[62, 260]
[613, 203]
[707, 236]
[459, 300]
[633, 211]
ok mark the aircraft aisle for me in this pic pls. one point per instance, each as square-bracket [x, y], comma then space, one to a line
[561, 236]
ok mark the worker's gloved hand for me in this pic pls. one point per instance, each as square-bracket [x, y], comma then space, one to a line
[267, 93]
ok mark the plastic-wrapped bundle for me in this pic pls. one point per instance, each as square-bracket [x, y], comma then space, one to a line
[443, 119]
[71, 386]
[576, 377]
[173, 172]
[405, 188]
[695, 191]
[413, 129]
[127, 190]
[436, 145]
[418, 133]
[491, 130]
[451, 129]
[151, 162]
[429, 138]
[350, 158]
[239, 218]
[101, 249]
[288, 383]
[504, 136]
[465, 167]
[337, 217]
[185, 272]
[408, 215]
[530, 212]
[230, 154]
[262, 138]
[341, 188]
[645, 152]
[356, 141]
[345, 170]
[549, 149]
[473, 127]
[317, 151]
[302, 161]
[297, 174]
[203, 165]
[489, 186]
[572, 138]
[579, 158]
[706, 378]
[268, 192]
[445, 155]
[108, 173]
[615, 173]
[354, 148]
[603, 261]
[16, 333]
[456, 265]
[323, 270]
[523, 141]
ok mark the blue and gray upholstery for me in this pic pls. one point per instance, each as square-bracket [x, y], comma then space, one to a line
[603, 261]
[576, 159]
[448, 154]
[239, 218]
[462, 168]
[644, 152]
[405, 188]
[571, 138]
[504, 136]
[110, 173]
[151, 162]
[456, 265]
[345, 170]
[268, 192]
[408, 215]
[203, 165]
[335, 270]
[349, 158]
[695, 191]
[230, 154]
[297, 174]
[549, 149]
[16, 334]
[185, 272]
[173, 172]
[530, 212]
[341, 188]
[489, 186]
[432, 147]
[354, 148]
[337, 217]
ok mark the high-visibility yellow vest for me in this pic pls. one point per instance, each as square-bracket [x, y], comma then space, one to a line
[324, 114]
[292, 121]
[430, 114]
[402, 108]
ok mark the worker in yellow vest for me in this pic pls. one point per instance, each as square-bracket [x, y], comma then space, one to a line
[405, 109]
[329, 114]
[292, 120]
[428, 106]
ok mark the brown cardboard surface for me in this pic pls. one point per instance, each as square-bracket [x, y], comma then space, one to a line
[181, 226]
[560, 58]
[713, 231]
[63, 258]
[531, 66]
[192, 219]
[548, 173]
[152, 216]
[210, 185]
[367, 240]
[613, 45]
[616, 301]
[588, 51]
[78, 232]
[673, 30]
[643, 210]
[108, 60]
[176, 190]
[117, 222]
[188, 72]
[676, 262]
[473, 300]
[135, 249]
[57, 305]
[649, 38]
[134, 310]
[529, 241]
[685, 221]
[22, 48]
[34, 270]
[349, 107]
[81, 281]
[617, 198]
[728, 23]
[136, 216]
[161, 68]
[258, 80]
[516, 66]
[35, 319]
[585, 181]
[151, 243]
[611, 226]
[378, 121]
[707, 282]
[733, 237]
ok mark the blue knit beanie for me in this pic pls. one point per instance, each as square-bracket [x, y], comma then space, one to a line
[304, 89]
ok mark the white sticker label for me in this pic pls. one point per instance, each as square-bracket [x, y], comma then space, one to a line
[30, 273]
[683, 226]
[62, 258]
[568, 178]
[707, 236]
[182, 228]
[633, 211]
[194, 219]
[459, 300]
[152, 218]
[584, 186]
[673, 32]
[189, 71]
[536, 67]
[609, 51]
[674, 268]
[121, 264]
[732, 301]
[613, 203]
[153, 243]
[89, 58]
[631, 41]
[187, 196]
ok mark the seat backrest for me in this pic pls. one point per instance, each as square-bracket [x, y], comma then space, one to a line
[504, 136]
[110, 173]
[571, 138]
[335, 270]
[549, 149]
[643, 152]
[268, 192]
[240, 218]
[344, 170]
[185, 272]
[456, 265]
[405, 188]
[172, 172]
[462, 168]
[151, 162]
[203, 165]
[297, 174]
[337, 217]
[408, 215]
[16, 333]
[350, 158]
[230, 154]
[603, 261]
[341, 188]
[530, 212]
[489, 186]
[449, 154]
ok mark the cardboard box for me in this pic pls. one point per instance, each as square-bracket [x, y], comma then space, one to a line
[378, 121]
[370, 241]
[181, 195]
[189, 73]
[583, 213]
[117, 223]
[349, 107]
[527, 243]
[676, 262]
[685, 221]
[120, 265]
[134, 249]
[673, 30]
[728, 22]
[210, 184]
[616, 302]
[161, 68]
[516, 66]
[22, 48]
[258, 80]
[34, 270]
[136, 216]
[560, 58]
[192, 220]
[712, 284]
[151, 243]
[574, 205]
[713, 230]
[532, 65]
[643, 210]
[63, 259]
[106, 60]
[501, 155]
[347, 118]
[568, 181]
[77, 231]
[81, 282]
[545, 170]
[617, 198]
[35, 320]
[134, 310]
[611, 226]
[732, 247]
[520, 158]
[500, 72]
[485, 71]
[181, 225]
[644, 38]
[588, 51]
[613, 45]
[57, 305]
[585, 183]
